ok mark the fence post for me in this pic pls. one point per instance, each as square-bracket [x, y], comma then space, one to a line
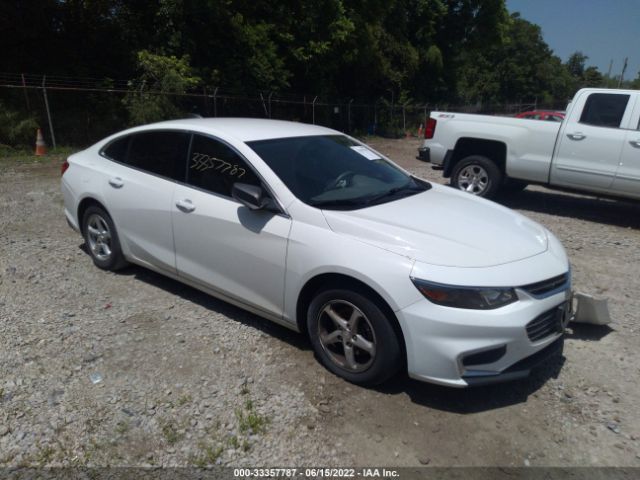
[206, 101]
[215, 102]
[313, 109]
[46, 104]
[349, 115]
[404, 119]
[264, 106]
[26, 96]
[270, 93]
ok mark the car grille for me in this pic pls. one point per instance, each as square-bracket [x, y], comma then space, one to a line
[541, 288]
[543, 325]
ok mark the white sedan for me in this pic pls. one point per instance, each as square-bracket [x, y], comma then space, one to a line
[314, 230]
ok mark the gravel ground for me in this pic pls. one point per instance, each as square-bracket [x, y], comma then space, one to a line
[98, 368]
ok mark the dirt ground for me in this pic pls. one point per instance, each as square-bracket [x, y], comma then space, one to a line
[187, 379]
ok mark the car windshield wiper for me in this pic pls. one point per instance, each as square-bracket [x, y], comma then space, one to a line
[344, 202]
[394, 191]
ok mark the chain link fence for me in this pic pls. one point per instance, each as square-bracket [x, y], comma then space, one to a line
[79, 112]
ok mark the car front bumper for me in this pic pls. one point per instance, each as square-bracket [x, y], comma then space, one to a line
[461, 347]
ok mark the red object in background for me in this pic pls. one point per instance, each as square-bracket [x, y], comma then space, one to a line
[64, 167]
[430, 128]
[550, 115]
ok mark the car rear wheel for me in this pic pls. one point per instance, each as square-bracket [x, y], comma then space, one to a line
[101, 238]
[352, 337]
[477, 175]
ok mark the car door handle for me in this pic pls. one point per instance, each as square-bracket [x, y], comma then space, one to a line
[116, 182]
[185, 205]
[635, 143]
[576, 136]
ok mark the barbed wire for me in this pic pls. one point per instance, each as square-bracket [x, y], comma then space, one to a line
[108, 85]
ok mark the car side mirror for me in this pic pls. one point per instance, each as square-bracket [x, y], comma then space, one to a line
[250, 196]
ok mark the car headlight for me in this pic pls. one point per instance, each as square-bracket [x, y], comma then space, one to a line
[477, 298]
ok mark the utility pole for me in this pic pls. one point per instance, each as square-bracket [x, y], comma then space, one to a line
[610, 67]
[624, 67]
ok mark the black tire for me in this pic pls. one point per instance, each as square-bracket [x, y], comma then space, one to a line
[477, 175]
[115, 260]
[372, 327]
[513, 186]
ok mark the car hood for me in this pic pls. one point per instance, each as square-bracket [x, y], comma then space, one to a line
[444, 227]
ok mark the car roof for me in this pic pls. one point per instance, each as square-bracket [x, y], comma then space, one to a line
[243, 129]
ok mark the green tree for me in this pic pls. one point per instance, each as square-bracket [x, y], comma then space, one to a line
[518, 67]
[576, 64]
[155, 94]
[592, 78]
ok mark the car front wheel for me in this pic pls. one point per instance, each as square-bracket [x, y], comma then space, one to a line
[352, 337]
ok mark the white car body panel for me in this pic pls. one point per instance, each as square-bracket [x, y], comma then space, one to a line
[570, 154]
[314, 249]
[230, 248]
[628, 176]
[142, 207]
[262, 260]
[425, 227]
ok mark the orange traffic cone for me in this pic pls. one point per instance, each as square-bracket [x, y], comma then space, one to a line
[41, 147]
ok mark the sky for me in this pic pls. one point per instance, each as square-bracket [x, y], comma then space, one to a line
[604, 30]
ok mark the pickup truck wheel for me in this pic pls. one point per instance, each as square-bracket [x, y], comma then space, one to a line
[477, 175]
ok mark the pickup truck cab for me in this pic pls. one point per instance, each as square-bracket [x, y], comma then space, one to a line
[595, 149]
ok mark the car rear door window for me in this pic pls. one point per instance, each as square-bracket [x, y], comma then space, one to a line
[604, 109]
[117, 150]
[215, 167]
[161, 153]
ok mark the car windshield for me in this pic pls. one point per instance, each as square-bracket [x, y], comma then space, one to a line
[334, 172]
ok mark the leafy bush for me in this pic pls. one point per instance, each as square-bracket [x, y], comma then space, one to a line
[15, 130]
[159, 73]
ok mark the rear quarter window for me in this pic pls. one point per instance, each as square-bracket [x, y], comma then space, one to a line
[117, 149]
[162, 153]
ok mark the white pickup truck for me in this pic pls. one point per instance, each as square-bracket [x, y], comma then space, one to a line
[595, 149]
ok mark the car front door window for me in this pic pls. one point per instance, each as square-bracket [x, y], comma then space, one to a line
[215, 167]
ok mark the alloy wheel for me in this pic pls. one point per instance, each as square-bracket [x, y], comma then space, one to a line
[99, 237]
[346, 335]
[473, 179]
